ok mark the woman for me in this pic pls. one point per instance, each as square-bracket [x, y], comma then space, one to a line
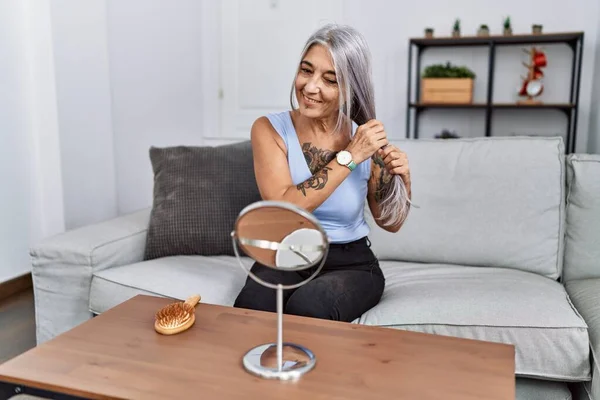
[329, 155]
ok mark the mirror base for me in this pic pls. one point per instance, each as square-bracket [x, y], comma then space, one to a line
[296, 361]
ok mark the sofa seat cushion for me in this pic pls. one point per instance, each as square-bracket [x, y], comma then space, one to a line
[585, 294]
[217, 279]
[527, 310]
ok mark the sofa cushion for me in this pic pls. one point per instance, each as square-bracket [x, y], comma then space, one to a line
[582, 243]
[503, 305]
[492, 202]
[585, 294]
[217, 279]
[198, 194]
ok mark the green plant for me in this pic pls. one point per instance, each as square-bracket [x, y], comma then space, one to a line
[507, 23]
[429, 30]
[446, 134]
[456, 26]
[447, 71]
[483, 26]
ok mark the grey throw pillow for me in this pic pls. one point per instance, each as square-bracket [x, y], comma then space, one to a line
[198, 194]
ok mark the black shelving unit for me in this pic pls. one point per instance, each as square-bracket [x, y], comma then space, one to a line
[573, 39]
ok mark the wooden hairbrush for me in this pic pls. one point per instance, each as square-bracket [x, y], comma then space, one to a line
[176, 317]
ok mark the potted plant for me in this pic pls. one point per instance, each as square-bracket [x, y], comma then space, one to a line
[484, 30]
[447, 83]
[446, 134]
[428, 33]
[536, 29]
[456, 28]
[507, 27]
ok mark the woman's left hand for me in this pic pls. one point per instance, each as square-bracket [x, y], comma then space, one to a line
[396, 162]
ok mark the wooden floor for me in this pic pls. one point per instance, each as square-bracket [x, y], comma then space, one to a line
[17, 324]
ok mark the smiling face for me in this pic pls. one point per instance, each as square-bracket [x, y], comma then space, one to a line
[316, 84]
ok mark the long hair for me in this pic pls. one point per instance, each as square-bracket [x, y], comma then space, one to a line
[352, 64]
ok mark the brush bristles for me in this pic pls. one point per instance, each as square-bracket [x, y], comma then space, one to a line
[174, 315]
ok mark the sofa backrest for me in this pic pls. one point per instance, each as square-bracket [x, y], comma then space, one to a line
[489, 202]
[582, 236]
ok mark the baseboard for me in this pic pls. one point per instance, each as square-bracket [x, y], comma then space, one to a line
[15, 285]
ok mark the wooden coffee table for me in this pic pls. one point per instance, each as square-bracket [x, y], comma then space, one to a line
[119, 355]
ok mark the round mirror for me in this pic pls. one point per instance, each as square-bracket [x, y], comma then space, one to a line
[280, 235]
[283, 236]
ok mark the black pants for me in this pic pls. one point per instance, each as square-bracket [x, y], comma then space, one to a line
[349, 284]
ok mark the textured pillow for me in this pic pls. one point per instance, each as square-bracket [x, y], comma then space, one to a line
[198, 194]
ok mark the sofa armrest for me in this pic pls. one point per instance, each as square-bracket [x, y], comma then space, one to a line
[585, 295]
[63, 265]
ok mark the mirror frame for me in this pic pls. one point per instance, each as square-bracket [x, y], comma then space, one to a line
[290, 207]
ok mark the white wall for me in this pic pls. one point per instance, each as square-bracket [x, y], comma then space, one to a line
[47, 206]
[31, 202]
[15, 168]
[79, 30]
[156, 60]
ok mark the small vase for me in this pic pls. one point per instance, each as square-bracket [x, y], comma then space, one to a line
[536, 29]
[456, 33]
[483, 32]
[429, 33]
[507, 31]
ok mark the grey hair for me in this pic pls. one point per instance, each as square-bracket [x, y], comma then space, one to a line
[352, 64]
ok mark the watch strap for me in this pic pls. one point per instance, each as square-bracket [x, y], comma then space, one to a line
[351, 165]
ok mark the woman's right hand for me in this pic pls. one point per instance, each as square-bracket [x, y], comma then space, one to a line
[368, 138]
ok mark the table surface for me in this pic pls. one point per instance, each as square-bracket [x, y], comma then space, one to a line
[119, 355]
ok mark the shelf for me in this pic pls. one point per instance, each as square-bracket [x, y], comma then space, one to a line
[570, 109]
[508, 106]
[567, 37]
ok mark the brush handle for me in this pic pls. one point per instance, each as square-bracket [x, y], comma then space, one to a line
[193, 300]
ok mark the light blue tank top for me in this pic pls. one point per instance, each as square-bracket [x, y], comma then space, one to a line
[342, 214]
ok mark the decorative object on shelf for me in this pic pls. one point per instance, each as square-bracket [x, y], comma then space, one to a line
[507, 27]
[456, 28]
[429, 33]
[484, 30]
[415, 107]
[536, 29]
[532, 85]
[448, 71]
[447, 84]
[446, 134]
[287, 238]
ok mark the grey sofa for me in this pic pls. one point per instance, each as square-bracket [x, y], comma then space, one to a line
[504, 247]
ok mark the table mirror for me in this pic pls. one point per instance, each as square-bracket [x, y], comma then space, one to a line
[282, 236]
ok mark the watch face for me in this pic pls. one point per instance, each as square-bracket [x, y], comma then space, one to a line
[344, 157]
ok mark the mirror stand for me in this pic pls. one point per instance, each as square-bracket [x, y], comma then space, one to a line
[283, 361]
[285, 237]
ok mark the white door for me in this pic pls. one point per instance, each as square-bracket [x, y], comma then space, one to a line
[261, 41]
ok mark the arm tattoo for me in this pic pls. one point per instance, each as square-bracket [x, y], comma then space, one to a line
[382, 180]
[317, 181]
[317, 160]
